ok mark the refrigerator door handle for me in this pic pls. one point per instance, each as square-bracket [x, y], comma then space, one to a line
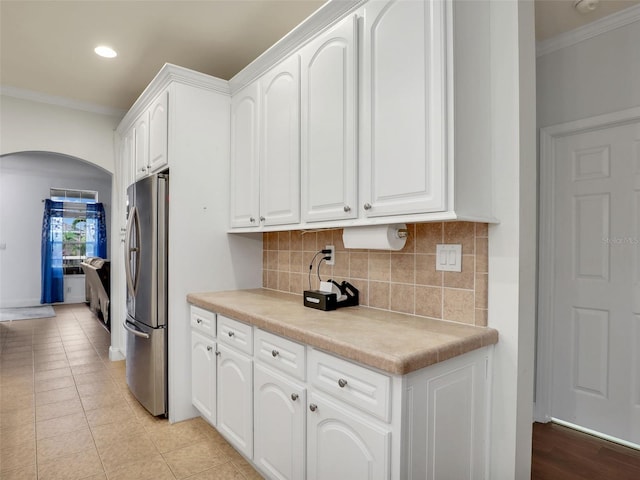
[137, 333]
[132, 224]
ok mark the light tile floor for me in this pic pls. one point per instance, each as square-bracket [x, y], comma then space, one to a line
[66, 412]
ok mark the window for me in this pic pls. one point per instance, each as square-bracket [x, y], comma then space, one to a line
[76, 230]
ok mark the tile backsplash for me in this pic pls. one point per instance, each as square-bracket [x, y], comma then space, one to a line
[405, 281]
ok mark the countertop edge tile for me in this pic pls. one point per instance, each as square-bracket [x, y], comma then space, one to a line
[393, 342]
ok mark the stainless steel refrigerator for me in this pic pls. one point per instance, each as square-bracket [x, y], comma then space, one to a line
[146, 326]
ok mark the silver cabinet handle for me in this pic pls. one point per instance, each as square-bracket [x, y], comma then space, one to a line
[217, 353]
[347, 208]
[275, 353]
[231, 334]
[313, 407]
[294, 396]
[342, 382]
[367, 206]
[262, 219]
[198, 320]
[209, 348]
[252, 220]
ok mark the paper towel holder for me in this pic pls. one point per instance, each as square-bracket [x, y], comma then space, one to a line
[376, 237]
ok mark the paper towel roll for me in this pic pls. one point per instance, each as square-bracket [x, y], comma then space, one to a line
[375, 237]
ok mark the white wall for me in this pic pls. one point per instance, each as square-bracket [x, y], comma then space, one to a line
[202, 256]
[596, 76]
[512, 251]
[31, 127]
[25, 180]
[27, 125]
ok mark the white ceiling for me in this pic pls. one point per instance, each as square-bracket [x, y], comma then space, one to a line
[47, 46]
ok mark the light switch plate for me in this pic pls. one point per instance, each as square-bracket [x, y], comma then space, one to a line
[449, 257]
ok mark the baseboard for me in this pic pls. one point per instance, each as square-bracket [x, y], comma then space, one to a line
[115, 354]
[26, 302]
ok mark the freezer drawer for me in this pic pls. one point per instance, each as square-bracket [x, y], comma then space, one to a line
[146, 365]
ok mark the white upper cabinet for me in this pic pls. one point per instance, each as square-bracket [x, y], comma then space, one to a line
[390, 120]
[403, 147]
[151, 137]
[280, 144]
[141, 145]
[245, 166]
[158, 133]
[329, 124]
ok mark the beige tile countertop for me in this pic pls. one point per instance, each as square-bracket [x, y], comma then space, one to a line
[393, 342]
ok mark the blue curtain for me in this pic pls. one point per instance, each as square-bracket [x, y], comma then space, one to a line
[51, 264]
[97, 229]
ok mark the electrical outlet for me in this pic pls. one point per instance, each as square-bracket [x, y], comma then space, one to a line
[332, 260]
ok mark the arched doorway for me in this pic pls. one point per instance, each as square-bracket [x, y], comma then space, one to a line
[26, 179]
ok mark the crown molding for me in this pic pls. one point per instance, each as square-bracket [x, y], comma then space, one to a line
[319, 20]
[40, 97]
[593, 29]
[172, 73]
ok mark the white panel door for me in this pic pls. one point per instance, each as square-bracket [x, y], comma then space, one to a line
[342, 445]
[280, 144]
[159, 133]
[203, 375]
[595, 333]
[329, 124]
[403, 154]
[279, 425]
[235, 399]
[245, 166]
[141, 145]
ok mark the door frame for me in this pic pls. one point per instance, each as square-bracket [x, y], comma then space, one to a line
[546, 246]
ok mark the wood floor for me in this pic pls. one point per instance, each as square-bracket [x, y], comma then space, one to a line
[560, 453]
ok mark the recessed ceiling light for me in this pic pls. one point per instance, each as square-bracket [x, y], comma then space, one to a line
[105, 51]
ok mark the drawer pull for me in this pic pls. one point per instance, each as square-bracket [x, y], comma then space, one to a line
[217, 353]
[231, 334]
[198, 320]
[342, 383]
[209, 348]
[275, 353]
[313, 407]
[294, 396]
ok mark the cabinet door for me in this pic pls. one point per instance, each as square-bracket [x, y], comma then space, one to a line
[141, 145]
[235, 399]
[245, 167]
[203, 375]
[280, 145]
[158, 133]
[403, 154]
[329, 124]
[344, 445]
[279, 429]
[445, 405]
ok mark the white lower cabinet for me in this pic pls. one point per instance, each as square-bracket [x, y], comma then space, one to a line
[445, 425]
[279, 424]
[203, 375]
[297, 412]
[343, 444]
[235, 398]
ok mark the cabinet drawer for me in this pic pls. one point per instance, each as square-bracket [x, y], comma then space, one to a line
[203, 320]
[280, 353]
[234, 333]
[365, 389]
